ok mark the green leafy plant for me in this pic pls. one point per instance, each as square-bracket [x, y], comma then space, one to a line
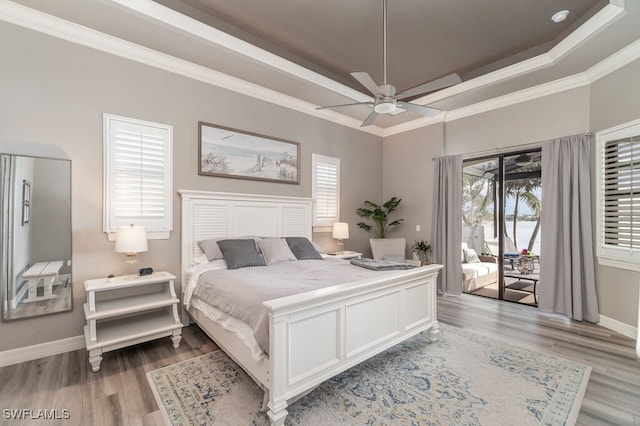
[422, 249]
[111, 276]
[421, 246]
[379, 214]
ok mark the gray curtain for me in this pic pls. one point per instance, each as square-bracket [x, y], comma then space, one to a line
[567, 270]
[446, 229]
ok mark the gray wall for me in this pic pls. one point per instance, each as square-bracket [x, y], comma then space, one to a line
[609, 101]
[615, 99]
[53, 96]
[408, 171]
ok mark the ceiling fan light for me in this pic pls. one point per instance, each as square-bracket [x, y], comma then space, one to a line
[523, 160]
[385, 107]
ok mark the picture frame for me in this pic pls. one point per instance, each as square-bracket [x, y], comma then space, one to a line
[233, 153]
[26, 201]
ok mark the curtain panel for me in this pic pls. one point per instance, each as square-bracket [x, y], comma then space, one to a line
[446, 229]
[567, 269]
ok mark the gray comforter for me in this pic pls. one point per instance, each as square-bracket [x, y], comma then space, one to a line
[240, 292]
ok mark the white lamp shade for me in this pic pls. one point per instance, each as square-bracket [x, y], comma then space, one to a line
[341, 230]
[131, 239]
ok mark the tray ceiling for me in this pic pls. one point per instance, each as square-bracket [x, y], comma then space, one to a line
[299, 53]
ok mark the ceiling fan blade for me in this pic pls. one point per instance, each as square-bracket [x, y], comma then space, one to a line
[343, 105]
[370, 119]
[420, 109]
[366, 80]
[437, 84]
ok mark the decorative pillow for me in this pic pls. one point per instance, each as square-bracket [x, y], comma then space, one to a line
[471, 256]
[241, 253]
[275, 250]
[211, 248]
[302, 248]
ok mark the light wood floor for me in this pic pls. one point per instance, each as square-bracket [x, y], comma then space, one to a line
[119, 392]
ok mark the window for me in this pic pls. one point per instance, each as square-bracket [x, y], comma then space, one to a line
[619, 196]
[138, 176]
[326, 190]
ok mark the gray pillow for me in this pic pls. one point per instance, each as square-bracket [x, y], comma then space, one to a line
[211, 249]
[241, 253]
[275, 250]
[302, 248]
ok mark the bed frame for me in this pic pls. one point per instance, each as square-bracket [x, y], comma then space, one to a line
[312, 336]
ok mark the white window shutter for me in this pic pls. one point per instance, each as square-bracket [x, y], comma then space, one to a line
[138, 175]
[326, 190]
[619, 196]
[622, 193]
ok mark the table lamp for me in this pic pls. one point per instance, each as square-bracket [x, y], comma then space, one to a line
[131, 240]
[340, 232]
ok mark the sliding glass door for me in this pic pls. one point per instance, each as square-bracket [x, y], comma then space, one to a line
[501, 226]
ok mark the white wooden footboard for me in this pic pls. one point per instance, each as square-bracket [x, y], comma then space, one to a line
[314, 336]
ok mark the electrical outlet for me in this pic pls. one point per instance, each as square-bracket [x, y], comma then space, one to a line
[417, 228]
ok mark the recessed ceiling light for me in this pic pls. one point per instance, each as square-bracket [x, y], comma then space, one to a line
[560, 16]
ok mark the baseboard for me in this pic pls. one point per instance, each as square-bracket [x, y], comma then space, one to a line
[29, 353]
[619, 327]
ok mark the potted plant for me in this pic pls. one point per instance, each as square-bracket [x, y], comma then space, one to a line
[423, 249]
[379, 214]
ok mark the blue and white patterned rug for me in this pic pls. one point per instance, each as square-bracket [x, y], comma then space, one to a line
[462, 379]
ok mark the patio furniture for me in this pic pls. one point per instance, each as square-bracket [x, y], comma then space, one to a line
[479, 274]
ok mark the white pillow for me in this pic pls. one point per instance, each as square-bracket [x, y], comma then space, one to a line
[275, 250]
[471, 256]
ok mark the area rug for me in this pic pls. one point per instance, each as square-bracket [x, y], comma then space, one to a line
[463, 379]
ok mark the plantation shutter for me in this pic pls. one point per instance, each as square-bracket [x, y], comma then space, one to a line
[326, 190]
[138, 175]
[621, 172]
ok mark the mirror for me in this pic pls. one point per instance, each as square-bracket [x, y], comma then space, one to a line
[35, 256]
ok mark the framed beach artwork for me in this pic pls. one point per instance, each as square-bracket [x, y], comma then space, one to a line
[227, 152]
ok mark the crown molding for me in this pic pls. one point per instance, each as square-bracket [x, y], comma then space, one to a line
[188, 25]
[542, 90]
[606, 16]
[614, 62]
[38, 21]
[41, 22]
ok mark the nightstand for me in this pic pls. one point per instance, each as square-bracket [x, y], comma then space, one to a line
[129, 310]
[346, 255]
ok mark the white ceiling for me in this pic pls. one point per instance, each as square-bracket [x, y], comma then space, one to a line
[300, 53]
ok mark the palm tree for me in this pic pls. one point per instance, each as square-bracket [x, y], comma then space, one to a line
[477, 198]
[523, 190]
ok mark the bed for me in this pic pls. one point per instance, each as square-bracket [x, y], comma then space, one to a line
[312, 336]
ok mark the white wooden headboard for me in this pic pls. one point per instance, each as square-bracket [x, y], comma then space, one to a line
[208, 215]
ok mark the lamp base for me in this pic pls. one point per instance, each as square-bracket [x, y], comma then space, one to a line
[340, 247]
[130, 267]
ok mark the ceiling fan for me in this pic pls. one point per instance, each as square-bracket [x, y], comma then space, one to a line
[386, 100]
